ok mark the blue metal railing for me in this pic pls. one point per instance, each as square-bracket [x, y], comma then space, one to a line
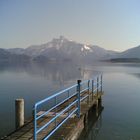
[73, 96]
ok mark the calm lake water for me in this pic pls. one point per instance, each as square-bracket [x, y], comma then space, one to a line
[33, 82]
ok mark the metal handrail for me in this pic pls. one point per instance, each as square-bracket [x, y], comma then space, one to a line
[54, 95]
[80, 88]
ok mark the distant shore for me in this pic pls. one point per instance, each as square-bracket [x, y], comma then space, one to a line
[124, 60]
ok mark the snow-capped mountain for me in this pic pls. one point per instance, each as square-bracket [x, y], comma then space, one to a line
[64, 49]
[61, 48]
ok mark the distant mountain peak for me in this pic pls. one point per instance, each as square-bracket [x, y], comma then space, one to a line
[62, 48]
[61, 39]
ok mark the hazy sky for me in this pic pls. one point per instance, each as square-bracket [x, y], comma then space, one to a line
[111, 24]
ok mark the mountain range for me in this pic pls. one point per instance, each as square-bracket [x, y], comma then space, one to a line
[63, 49]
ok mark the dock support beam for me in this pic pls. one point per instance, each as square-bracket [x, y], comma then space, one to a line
[19, 113]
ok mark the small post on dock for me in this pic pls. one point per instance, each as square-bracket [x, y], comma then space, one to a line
[78, 97]
[19, 113]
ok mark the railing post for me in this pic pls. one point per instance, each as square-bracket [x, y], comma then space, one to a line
[92, 88]
[35, 123]
[88, 92]
[19, 112]
[78, 97]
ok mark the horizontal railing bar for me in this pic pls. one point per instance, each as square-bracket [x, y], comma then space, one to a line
[54, 95]
[40, 129]
[97, 88]
[61, 123]
[84, 90]
[45, 113]
[83, 98]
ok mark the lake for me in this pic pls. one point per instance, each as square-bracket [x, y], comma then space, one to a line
[35, 81]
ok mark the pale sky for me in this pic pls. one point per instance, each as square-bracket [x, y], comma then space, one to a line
[111, 24]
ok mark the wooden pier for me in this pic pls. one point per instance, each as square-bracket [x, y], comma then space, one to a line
[71, 128]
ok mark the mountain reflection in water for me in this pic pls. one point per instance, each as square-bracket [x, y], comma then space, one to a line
[52, 71]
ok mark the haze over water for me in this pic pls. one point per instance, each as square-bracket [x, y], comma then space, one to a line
[34, 81]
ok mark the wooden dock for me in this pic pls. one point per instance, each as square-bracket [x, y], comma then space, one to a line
[69, 130]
